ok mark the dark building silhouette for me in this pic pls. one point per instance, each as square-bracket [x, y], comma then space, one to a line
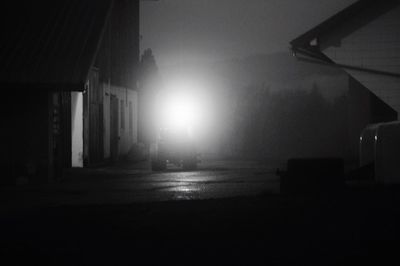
[68, 77]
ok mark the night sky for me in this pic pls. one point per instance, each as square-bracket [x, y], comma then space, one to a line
[194, 31]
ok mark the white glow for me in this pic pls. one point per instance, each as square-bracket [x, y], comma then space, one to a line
[181, 107]
[76, 129]
[179, 111]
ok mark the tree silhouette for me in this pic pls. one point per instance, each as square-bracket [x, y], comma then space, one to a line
[149, 84]
[289, 123]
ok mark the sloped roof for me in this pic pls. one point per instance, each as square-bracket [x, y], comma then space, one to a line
[50, 43]
[347, 21]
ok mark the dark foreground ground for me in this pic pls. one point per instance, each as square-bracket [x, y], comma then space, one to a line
[356, 226]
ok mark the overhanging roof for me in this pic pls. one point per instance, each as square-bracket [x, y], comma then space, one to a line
[346, 21]
[50, 43]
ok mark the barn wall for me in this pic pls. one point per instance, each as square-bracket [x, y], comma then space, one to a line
[107, 121]
[118, 56]
[127, 119]
[36, 135]
[93, 120]
[116, 64]
[375, 46]
[59, 133]
[28, 141]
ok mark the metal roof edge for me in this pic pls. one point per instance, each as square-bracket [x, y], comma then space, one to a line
[47, 86]
[370, 8]
[100, 39]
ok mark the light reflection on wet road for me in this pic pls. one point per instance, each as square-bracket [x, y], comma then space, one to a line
[129, 183]
[209, 181]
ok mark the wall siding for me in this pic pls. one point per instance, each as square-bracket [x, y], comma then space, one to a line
[375, 46]
[127, 137]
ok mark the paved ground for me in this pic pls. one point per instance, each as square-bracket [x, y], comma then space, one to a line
[225, 213]
[134, 182]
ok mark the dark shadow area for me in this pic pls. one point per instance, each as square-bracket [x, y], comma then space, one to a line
[270, 229]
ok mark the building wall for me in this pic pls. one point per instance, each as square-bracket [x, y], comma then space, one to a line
[92, 128]
[127, 119]
[375, 46]
[35, 138]
[29, 141]
[118, 55]
[116, 66]
[106, 106]
[93, 120]
[59, 133]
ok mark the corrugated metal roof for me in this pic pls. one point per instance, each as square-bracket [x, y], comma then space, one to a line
[50, 43]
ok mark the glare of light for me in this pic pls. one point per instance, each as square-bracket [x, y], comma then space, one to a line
[180, 108]
[179, 111]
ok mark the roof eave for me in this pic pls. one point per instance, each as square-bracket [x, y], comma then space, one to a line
[45, 86]
[359, 13]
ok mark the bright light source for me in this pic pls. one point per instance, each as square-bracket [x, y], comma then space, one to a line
[179, 111]
[180, 108]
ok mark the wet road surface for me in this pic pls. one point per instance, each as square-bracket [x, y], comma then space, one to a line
[129, 183]
[128, 215]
